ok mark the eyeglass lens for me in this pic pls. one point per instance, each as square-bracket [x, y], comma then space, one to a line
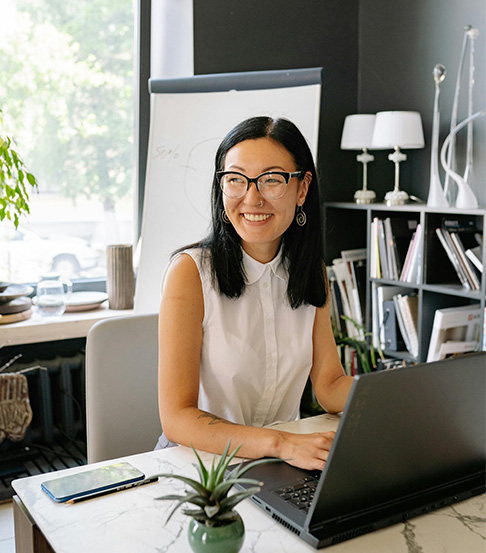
[270, 185]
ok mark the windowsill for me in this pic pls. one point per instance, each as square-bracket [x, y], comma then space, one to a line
[48, 329]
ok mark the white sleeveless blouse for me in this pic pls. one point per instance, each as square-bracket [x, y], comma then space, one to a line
[256, 351]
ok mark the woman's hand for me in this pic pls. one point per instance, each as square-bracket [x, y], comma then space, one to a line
[307, 451]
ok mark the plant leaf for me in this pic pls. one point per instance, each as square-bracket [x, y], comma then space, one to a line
[229, 502]
[223, 465]
[199, 488]
[221, 490]
[203, 472]
[211, 478]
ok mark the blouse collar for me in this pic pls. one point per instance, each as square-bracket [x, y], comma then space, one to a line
[254, 269]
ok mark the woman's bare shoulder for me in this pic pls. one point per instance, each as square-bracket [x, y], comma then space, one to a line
[182, 276]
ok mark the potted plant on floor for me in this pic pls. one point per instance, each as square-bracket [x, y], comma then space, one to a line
[215, 526]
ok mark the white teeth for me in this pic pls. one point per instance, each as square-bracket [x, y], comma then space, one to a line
[252, 217]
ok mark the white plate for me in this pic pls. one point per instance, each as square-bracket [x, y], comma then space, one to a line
[84, 301]
[15, 291]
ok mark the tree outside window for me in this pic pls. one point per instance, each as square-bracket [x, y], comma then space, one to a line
[66, 95]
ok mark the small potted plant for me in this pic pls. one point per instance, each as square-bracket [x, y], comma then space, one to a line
[215, 526]
[15, 181]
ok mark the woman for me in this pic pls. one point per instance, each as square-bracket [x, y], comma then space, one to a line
[244, 316]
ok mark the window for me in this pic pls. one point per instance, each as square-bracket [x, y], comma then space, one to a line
[67, 93]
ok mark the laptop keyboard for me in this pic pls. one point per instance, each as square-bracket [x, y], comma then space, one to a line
[301, 493]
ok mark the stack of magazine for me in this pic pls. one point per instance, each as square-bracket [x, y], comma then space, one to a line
[347, 280]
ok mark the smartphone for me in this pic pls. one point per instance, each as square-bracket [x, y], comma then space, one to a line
[93, 482]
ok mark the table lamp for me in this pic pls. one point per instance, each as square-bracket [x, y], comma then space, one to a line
[397, 129]
[357, 133]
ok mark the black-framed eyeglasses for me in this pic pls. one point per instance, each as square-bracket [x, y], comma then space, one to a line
[271, 185]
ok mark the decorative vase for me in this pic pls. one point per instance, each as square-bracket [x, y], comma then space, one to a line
[120, 281]
[216, 539]
[436, 196]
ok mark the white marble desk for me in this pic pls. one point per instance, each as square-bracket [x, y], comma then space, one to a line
[132, 521]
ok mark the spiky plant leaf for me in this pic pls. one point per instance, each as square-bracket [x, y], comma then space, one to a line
[241, 469]
[222, 490]
[211, 494]
[229, 502]
[195, 499]
[199, 488]
[224, 462]
[203, 472]
[211, 478]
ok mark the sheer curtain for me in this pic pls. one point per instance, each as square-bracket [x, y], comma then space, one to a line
[172, 46]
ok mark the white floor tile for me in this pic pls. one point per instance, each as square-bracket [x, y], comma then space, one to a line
[6, 523]
[7, 546]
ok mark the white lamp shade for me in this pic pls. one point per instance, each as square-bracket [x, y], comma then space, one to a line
[398, 128]
[357, 131]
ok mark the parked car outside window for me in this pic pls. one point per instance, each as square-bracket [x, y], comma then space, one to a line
[25, 256]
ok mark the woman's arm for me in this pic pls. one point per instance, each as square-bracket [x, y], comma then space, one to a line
[180, 342]
[330, 383]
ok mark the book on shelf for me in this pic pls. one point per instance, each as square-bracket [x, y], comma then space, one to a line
[350, 275]
[459, 324]
[483, 343]
[447, 244]
[406, 307]
[391, 250]
[384, 269]
[412, 268]
[474, 255]
[380, 295]
[392, 338]
[340, 271]
[465, 261]
[455, 347]
[355, 262]
[336, 302]
[375, 267]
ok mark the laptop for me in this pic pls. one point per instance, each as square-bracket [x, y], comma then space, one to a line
[410, 440]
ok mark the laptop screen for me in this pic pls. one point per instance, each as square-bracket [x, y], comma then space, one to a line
[405, 430]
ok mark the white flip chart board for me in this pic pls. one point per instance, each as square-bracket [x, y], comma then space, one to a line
[189, 118]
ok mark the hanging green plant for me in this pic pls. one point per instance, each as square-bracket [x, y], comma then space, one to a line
[15, 181]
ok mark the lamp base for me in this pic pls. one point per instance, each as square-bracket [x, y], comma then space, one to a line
[364, 196]
[396, 197]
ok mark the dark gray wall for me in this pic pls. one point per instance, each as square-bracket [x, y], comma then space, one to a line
[377, 55]
[400, 42]
[253, 35]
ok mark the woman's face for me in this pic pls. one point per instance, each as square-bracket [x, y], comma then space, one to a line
[259, 222]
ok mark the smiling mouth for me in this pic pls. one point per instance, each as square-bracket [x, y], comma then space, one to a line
[256, 217]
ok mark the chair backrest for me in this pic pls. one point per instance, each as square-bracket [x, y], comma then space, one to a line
[121, 387]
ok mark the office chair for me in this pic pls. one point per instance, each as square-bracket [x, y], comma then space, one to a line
[121, 387]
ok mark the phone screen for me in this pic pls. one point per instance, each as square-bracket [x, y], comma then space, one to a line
[92, 481]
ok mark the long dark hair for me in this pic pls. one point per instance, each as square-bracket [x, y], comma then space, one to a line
[302, 247]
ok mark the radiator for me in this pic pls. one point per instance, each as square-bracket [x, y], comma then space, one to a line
[56, 437]
[57, 397]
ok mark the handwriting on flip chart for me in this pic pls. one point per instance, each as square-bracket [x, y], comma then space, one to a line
[167, 153]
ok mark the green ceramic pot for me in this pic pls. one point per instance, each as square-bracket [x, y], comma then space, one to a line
[217, 539]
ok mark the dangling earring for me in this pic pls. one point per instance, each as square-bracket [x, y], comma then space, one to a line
[225, 217]
[300, 216]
